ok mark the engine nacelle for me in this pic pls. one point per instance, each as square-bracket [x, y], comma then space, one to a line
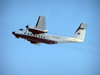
[37, 31]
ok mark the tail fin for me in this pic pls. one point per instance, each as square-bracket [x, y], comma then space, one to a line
[80, 32]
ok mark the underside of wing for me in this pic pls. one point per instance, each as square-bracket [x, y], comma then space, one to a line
[37, 31]
[41, 23]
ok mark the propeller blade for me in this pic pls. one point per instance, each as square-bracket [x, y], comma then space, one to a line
[27, 26]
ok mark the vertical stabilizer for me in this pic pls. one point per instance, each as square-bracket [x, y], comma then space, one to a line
[80, 32]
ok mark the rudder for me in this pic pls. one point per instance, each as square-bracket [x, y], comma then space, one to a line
[80, 32]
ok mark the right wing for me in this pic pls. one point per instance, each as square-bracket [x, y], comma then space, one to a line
[38, 44]
[41, 23]
[35, 42]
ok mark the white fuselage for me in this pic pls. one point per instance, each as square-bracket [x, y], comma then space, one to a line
[57, 39]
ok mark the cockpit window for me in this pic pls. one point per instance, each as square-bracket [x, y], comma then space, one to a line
[21, 29]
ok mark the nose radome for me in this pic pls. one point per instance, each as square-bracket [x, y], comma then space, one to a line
[13, 32]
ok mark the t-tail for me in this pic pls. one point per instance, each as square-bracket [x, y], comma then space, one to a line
[80, 32]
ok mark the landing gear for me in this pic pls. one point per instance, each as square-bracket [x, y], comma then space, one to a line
[17, 37]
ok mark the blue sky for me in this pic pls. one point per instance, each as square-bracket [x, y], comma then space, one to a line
[63, 17]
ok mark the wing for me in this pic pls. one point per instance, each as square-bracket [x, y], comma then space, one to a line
[35, 42]
[38, 44]
[41, 24]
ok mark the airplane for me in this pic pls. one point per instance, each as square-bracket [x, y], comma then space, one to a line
[37, 34]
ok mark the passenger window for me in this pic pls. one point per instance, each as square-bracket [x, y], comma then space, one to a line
[36, 35]
[41, 36]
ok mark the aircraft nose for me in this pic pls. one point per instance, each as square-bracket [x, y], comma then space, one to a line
[13, 32]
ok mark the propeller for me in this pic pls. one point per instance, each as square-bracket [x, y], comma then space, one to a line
[26, 30]
[27, 27]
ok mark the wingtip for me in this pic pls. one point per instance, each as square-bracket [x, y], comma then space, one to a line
[42, 15]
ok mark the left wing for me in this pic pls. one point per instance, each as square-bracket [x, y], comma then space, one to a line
[40, 26]
[41, 23]
[36, 31]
